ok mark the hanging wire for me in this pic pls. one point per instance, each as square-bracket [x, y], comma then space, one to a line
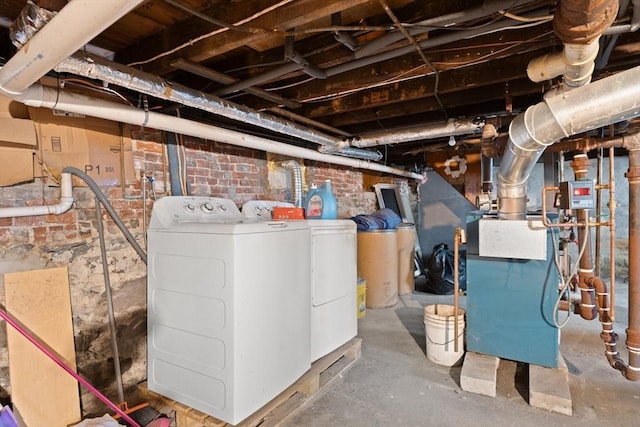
[413, 41]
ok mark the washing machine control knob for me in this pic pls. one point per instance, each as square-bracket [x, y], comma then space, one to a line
[207, 207]
[189, 207]
[223, 208]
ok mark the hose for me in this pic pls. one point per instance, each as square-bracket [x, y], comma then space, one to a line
[105, 202]
[110, 309]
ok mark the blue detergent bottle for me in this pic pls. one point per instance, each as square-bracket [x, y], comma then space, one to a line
[322, 203]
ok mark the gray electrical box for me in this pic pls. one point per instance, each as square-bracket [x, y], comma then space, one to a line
[577, 195]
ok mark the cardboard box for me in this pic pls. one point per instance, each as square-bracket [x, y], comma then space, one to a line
[17, 150]
[98, 147]
[18, 143]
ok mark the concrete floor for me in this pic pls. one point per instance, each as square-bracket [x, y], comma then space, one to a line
[394, 383]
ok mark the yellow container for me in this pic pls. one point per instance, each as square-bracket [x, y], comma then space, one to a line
[361, 298]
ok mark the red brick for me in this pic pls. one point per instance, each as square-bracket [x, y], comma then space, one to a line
[30, 221]
[5, 222]
[152, 157]
[69, 217]
[202, 163]
[5, 234]
[199, 172]
[148, 147]
[40, 234]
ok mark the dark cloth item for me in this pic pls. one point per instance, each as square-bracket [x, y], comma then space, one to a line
[368, 223]
[440, 270]
[390, 218]
[383, 219]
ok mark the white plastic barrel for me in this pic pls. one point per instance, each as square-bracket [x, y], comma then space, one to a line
[440, 333]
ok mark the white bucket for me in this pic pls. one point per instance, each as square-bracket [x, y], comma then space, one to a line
[440, 333]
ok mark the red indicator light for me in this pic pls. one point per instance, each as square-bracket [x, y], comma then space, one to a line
[582, 191]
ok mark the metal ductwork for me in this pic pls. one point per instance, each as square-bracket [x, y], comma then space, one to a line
[579, 24]
[296, 180]
[569, 113]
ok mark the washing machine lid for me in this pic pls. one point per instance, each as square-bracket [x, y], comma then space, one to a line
[262, 209]
[169, 211]
[210, 215]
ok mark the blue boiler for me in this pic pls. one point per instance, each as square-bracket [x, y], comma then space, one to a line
[512, 287]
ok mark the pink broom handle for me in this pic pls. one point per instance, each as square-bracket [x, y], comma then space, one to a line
[70, 371]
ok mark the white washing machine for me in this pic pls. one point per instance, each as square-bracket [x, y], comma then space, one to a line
[228, 319]
[333, 278]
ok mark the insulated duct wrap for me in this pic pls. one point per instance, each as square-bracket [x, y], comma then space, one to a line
[451, 127]
[77, 23]
[31, 19]
[94, 67]
[582, 21]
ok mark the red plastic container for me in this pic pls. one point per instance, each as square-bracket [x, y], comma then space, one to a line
[280, 212]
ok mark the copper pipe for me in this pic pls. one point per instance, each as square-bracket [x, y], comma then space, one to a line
[564, 305]
[588, 308]
[608, 335]
[585, 144]
[612, 232]
[456, 284]
[633, 329]
[598, 210]
[594, 287]
[545, 220]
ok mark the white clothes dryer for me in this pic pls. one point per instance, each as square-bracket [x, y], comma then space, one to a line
[333, 278]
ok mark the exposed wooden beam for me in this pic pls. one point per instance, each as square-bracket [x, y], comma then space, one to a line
[283, 18]
[427, 109]
[450, 81]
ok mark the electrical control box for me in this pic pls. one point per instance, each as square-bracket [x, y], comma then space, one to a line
[577, 195]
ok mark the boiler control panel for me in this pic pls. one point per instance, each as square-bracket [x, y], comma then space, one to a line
[577, 195]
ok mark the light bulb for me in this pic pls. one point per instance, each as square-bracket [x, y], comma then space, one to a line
[452, 141]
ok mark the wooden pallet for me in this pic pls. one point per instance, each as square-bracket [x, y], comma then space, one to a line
[283, 406]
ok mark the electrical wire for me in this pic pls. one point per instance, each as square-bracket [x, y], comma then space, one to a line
[396, 79]
[211, 34]
[565, 283]
[420, 51]
[510, 46]
[94, 86]
[524, 18]
[399, 78]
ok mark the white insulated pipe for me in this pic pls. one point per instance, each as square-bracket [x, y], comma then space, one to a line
[575, 63]
[74, 26]
[63, 205]
[450, 128]
[39, 96]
